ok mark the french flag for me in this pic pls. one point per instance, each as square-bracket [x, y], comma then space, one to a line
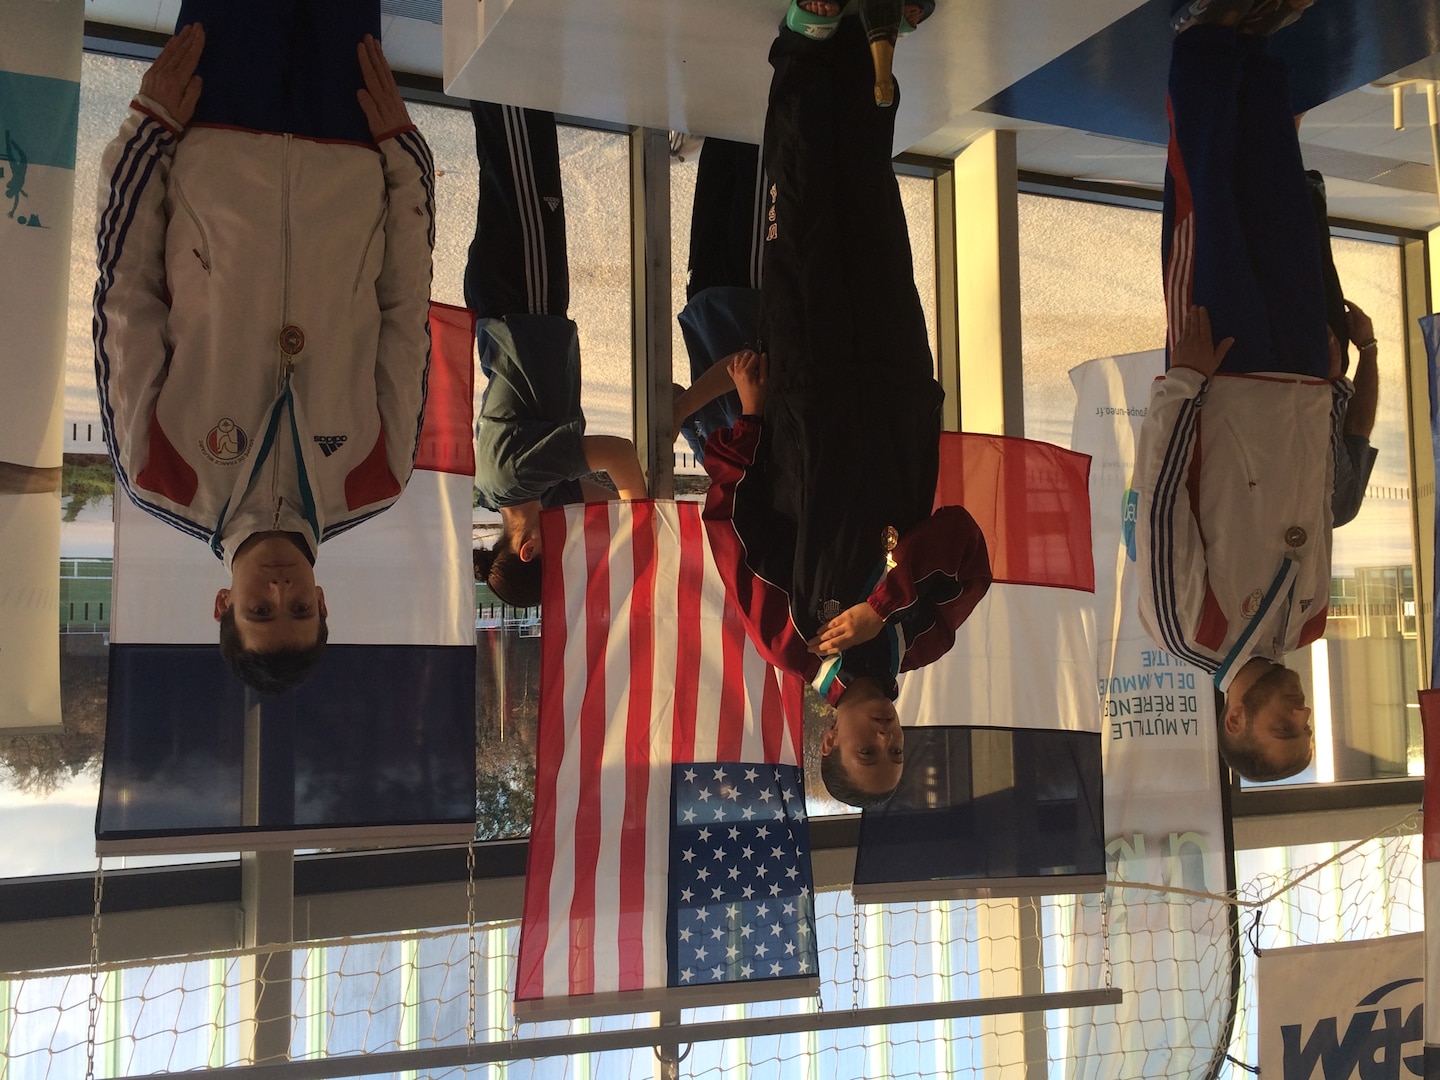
[1017, 686]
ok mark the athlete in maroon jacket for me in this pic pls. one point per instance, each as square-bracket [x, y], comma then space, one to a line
[836, 457]
[911, 599]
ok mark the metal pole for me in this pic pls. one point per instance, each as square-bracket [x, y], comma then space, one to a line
[667, 1054]
[451, 1057]
[651, 315]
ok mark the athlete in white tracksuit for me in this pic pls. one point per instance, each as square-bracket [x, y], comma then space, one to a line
[261, 330]
[1235, 469]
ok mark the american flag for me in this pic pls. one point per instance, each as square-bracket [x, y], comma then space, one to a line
[649, 689]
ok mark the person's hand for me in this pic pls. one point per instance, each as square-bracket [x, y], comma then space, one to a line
[1359, 325]
[1196, 348]
[171, 81]
[749, 371]
[853, 626]
[380, 101]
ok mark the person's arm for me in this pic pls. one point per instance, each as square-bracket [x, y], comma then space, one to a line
[132, 297]
[713, 382]
[1170, 553]
[617, 457]
[752, 545]
[942, 570]
[1360, 416]
[402, 353]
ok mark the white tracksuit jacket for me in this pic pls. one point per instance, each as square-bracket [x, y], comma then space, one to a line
[1233, 476]
[229, 259]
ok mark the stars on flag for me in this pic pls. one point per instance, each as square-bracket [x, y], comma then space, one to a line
[740, 903]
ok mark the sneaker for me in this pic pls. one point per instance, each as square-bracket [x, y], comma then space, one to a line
[1210, 12]
[1268, 16]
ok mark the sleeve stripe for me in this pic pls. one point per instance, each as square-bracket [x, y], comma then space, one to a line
[132, 173]
[414, 144]
[1162, 529]
[419, 150]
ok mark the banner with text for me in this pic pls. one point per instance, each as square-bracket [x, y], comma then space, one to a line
[39, 114]
[1163, 818]
[1347, 1011]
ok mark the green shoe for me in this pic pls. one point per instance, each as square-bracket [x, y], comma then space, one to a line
[816, 27]
[927, 8]
[1268, 16]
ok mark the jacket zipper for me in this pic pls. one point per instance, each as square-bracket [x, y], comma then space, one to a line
[203, 252]
[287, 365]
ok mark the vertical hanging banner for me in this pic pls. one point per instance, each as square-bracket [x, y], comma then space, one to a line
[39, 117]
[1163, 818]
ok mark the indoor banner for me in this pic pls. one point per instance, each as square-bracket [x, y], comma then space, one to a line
[1346, 1011]
[1163, 816]
[39, 114]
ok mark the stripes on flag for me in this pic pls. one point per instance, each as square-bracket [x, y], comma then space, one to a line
[645, 668]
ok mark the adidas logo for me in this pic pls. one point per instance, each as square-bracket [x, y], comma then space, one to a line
[330, 443]
[552, 201]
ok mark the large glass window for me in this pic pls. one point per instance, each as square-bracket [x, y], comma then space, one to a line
[1089, 286]
[1365, 674]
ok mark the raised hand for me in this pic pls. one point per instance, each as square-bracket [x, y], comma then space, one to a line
[1358, 325]
[381, 102]
[170, 81]
[750, 371]
[1196, 348]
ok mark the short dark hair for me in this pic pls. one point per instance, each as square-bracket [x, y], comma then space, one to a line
[510, 577]
[1239, 749]
[269, 672]
[842, 788]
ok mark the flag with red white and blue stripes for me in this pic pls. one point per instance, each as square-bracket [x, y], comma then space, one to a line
[669, 857]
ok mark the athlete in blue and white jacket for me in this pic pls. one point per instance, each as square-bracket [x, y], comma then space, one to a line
[1234, 471]
[261, 328]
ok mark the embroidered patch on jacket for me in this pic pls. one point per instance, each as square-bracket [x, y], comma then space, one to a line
[1252, 604]
[330, 443]
[226, 442]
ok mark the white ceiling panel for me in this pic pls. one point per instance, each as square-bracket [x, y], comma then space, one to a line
[701, 67]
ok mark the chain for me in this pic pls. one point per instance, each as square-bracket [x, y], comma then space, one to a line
[855, 962]
[1107, 971]
[91, 1032]
[470, 925]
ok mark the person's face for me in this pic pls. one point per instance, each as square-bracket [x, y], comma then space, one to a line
[870, 741]
[914, 14]
[273, 592]
[1281, 729]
